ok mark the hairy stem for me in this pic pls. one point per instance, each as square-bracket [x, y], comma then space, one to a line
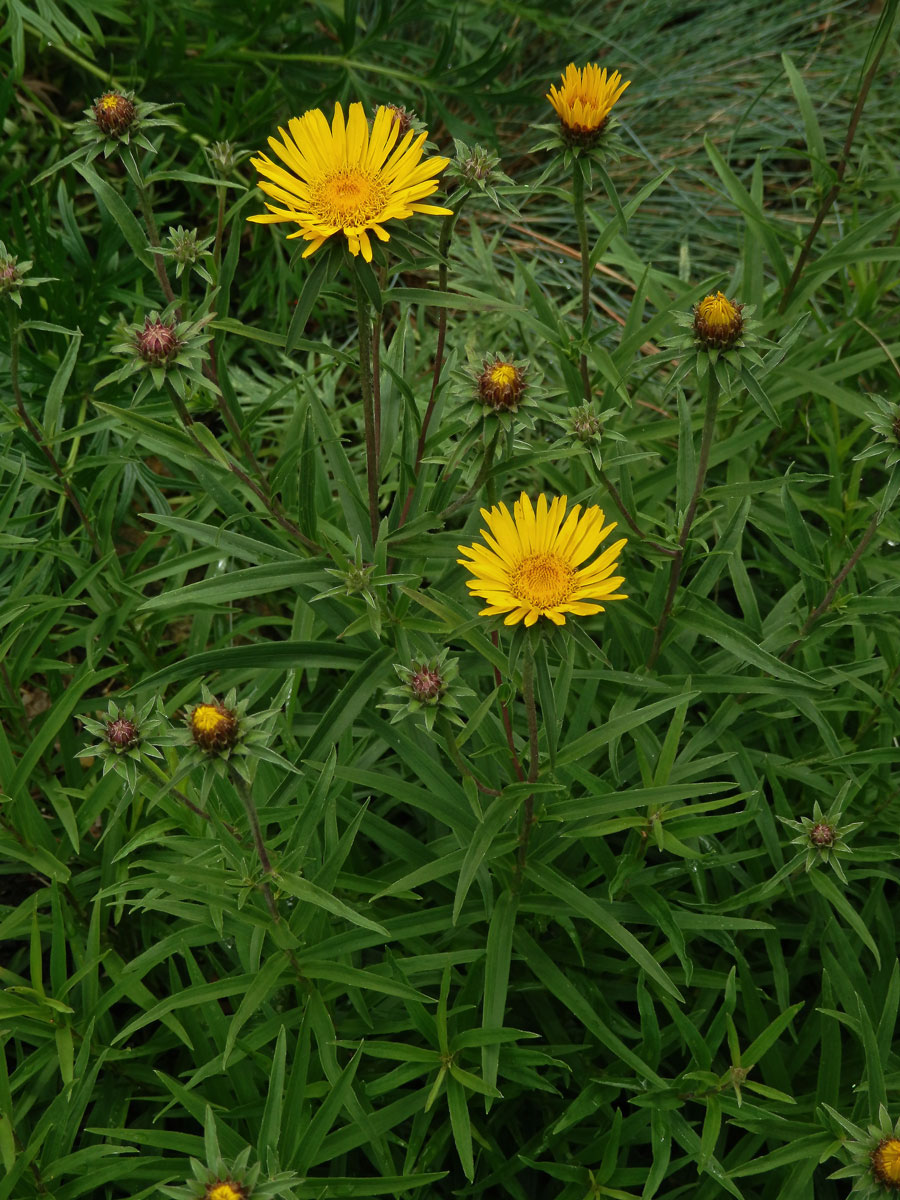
[243, 790]
[483, 472]
[709, 428]
[267, 502]
[365, 383]
[443, 273]
[578, 205]
[376, 361]
[36, 434]
[617, 500]
[833, 589]
[461, 764]
[840, 170]
[152, 231]
[220, 223]
[507, 723]
[533, 754]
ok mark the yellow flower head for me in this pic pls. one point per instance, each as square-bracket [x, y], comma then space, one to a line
[531, 565]
[718, 321]
[886, 1162]
[214, 727]
[501, 385]
[225, 1189]
[585, 99]
[347, 178]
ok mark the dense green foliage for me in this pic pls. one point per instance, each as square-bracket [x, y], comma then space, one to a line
[658, 989]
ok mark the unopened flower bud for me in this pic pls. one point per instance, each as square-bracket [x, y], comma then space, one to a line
[478, 164]
[718, 322]
[586, 425]
[426, 683]
[501, 385]
[114, 113]
[185, 248]
[221, 155]
[822, 834]
[402, 118]
[9, 275]
[214, 727]
[122, 734]
[157, 343]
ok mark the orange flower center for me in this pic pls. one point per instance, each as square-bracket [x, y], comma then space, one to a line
[886, 1162]
[542, 580]
[718, 311]
[349, 197]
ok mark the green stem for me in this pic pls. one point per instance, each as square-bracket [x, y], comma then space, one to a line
[271, 508]
[461, 764]
[152, 232]
[376, 361]
[617, 500]
[709, 427]
[443, 273]
[825, 206]
[365, 383]
[533, 754]
[578, 205]
[832, 591]
[220, 225]
[36, 434]
[483, 472]
[507, 722]
[243, 790]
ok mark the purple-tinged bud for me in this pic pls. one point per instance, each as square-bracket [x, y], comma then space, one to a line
[114, 113]
[157, 342]
[122, 734]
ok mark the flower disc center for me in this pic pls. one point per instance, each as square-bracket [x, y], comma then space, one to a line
[503, 374]
[542, 580]
[886, 1162]
[207, 719]
[349, 197]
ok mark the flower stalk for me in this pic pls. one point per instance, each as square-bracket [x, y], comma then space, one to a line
[840, 170]
[368, 401]
[709, 428]
[581, 223]
[152, 231]
[37, 436]
[833, 589]
[447, 227]
[271, 507]
[528, 699]
[243, 790]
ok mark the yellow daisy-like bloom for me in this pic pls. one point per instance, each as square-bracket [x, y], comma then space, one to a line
[531, 565]
[718, 321]
[585, 99]
[886, 1162]
[346, 178]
